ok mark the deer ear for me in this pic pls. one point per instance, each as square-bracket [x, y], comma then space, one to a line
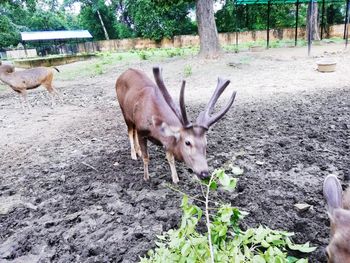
[165, 129]
[333, 193]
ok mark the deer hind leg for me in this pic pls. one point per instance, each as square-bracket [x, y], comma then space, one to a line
[57, 94]
[131, 132]
[171, 161]
[137, 144]
[53, 92]
[145, 157]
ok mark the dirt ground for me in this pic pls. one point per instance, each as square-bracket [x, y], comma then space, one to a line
[69, 191]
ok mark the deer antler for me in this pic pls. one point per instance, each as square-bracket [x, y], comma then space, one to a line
[181, 114]
[204, 120]
[186, 123]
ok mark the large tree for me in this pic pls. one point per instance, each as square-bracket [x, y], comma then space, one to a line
[156, 21]
[96, 8]
[208, 34]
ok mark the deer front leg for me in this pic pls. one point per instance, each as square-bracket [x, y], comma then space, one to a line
[131, 139]
[171, 161]
[24, 100]
[145, 157]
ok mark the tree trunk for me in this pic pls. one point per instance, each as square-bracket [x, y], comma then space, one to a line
[314, 21]
[103, 25]
[208, 34]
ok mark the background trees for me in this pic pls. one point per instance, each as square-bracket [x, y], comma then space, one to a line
[153, 19]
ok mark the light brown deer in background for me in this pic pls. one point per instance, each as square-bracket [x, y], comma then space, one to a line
[151, 114]
[338, 206]
[21, 81]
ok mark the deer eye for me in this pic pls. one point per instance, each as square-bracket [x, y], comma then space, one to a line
[188, 143]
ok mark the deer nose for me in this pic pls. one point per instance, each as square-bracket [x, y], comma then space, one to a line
[203, 175]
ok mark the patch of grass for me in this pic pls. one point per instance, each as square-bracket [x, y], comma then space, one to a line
[105, 61]
[187, 71]
[272, 44]
[143, 55]
[175, 52]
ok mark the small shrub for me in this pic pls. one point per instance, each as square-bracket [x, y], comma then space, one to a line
[143, 55]
[98, 69]
[187, 71]
[174, 52]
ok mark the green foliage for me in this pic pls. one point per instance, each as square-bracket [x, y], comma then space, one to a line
[89, 19]
[157, 21]
[187, 71]
[230, 243]
[123, 31]
[46, 20]
[9, 34]
[143, 55]
[174, 52]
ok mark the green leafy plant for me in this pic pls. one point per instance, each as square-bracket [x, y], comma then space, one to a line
[143, 55]
[224, 240]
[174, 52]
[187, 71]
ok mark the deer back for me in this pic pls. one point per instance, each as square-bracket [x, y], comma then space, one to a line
[141, 101]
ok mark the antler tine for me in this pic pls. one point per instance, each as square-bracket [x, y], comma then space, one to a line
[204, 119]
[220, 87]
[220, 114]
[183, 106]
[157, 72]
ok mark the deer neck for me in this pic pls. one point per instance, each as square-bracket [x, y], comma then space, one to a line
[6, 78]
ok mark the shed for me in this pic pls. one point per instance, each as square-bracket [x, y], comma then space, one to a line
[52, 38]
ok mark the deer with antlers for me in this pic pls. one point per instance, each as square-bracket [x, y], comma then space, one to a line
[151, 114]
[338, 206]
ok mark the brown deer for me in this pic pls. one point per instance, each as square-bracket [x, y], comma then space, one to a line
[151, 114]
[338, 206]
[21, 81]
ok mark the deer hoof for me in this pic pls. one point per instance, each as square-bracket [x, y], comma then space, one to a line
[133, 156]
[146, 178]
[175, 181]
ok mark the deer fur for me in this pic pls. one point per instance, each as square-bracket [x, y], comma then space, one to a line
[21, 81]
[338, 205]
[150, 114]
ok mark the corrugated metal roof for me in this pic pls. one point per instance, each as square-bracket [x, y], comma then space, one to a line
[51, 35]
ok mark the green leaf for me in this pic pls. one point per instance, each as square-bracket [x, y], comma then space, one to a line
[213, 185]
[224, 179]
[186, 249]
[305, 248]
[258, 259]
[291, 259]
[184, 202]
[232, 184]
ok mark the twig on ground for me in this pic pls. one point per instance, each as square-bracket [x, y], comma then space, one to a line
[79, 140]
[90, 166]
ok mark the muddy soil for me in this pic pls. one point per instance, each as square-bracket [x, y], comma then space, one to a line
[69, 191]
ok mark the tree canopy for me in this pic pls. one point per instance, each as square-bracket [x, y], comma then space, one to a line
[153, 19]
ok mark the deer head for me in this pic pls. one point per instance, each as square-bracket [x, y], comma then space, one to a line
[338, 250]
[189, 141]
